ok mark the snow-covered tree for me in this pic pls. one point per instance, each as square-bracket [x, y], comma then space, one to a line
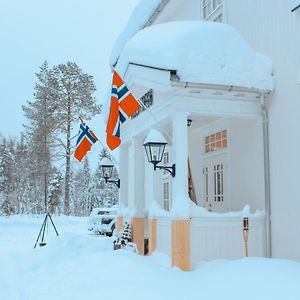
[29, 182]
[42, 128]
[55, 191]
[108, 193]
[76, 96]
[83, 186]
[7, 176]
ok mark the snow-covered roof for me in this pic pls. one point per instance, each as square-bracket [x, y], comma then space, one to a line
[200, 52]
[139, 17]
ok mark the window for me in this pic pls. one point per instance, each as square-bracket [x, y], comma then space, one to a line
[216, 141]
[218, 183]
[166, 180]
[205, 177]
[166, 160]
[213, 10]
[147, 99]
[167, 196]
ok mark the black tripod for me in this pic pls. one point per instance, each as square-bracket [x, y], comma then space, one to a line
[43, 229]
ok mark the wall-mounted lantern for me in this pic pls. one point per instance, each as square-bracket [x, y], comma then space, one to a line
[106, 169]
[155, 145]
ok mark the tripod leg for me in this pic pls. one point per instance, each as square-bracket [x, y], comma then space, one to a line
[43, 226]
[53, 224]
[44, 229]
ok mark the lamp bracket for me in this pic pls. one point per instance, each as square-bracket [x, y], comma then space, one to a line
[116, 182]
[171, 169]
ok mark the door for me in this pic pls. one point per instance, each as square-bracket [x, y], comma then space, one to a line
[215, 183]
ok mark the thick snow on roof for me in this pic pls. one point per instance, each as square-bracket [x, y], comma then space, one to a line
[201, 52]
[137, 20]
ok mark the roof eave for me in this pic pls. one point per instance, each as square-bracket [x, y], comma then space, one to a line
[156, 13]
[150, 21]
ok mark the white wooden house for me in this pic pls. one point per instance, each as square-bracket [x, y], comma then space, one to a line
[226, 97]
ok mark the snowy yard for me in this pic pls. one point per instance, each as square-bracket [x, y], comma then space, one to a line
[79, 265]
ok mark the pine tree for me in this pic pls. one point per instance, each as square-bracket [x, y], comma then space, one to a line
[83, 189]
[75, 93]
[22, 193]
[55, 191]
[7, 176]
[42, 114]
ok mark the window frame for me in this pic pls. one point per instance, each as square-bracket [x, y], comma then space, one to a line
[216, 141]
[215, 12]
[166, 180]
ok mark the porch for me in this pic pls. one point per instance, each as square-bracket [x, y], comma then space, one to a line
[219, 161]
[208, 103]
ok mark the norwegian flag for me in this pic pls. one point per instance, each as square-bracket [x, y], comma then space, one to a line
[123, 105]
[85, 141]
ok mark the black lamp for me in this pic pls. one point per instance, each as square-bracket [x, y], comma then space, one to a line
[106, 168]
[155, 145]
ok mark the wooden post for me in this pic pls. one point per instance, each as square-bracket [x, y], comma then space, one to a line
[119, 224]
[137, 232]
[152, 235]
[246, 234]
[181, 244]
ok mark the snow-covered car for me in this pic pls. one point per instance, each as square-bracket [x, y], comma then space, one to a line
[103, 221]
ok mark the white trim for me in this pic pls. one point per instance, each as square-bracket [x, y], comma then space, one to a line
[199, 106]
[216, 126]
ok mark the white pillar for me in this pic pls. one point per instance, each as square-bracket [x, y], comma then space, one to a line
[138, 175]
[148, 183]
[181, 201]
[152, 183]
[123, 173]
[130, 179]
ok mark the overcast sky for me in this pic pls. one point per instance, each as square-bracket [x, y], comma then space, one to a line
[32, 31]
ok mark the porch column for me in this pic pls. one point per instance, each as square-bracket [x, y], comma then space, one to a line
[152, 235]
[137, 232]
[123, 173]
[181, 244]
[137, 193]
[153, 181]
[119, 224]
[138, 175]
[180, 198]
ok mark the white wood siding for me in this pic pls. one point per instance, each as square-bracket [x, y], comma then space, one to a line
[164, 236]
[222, 238]
[271, 29]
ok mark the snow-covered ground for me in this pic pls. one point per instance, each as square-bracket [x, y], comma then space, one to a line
[79, 265]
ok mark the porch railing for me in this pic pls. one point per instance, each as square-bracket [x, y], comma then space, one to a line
[222, 238]
[216, 238]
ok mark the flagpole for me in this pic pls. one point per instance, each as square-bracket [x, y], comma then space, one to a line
[81, 119]
[145, 107]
